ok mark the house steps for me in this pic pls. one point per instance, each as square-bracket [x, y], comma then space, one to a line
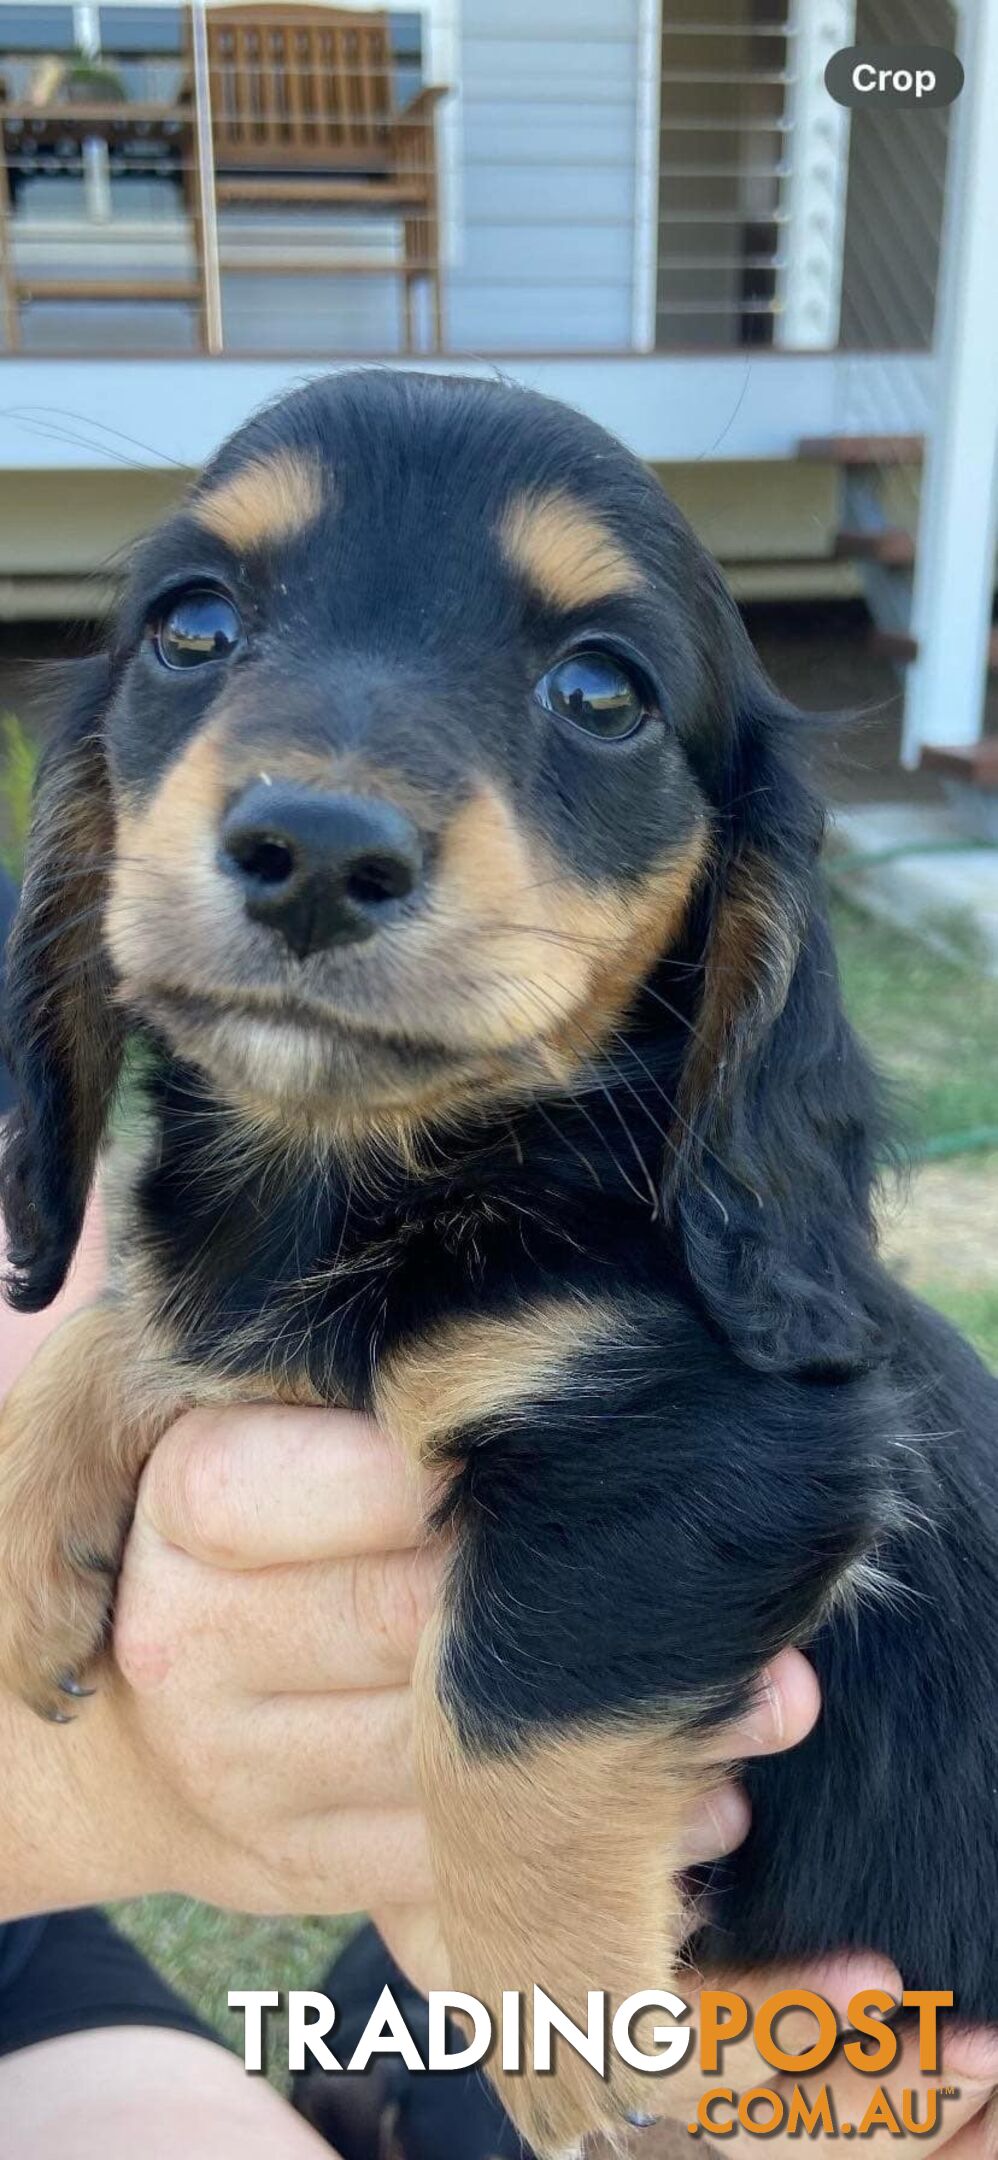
[884, 551]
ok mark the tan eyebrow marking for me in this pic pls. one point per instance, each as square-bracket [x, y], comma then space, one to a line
[565, 552]
[269, 499]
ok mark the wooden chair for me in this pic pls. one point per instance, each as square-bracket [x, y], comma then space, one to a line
[304, 111]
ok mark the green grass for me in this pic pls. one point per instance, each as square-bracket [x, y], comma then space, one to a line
[18, 759]
[932, 1024]
[203, 1953]
[974, 1311]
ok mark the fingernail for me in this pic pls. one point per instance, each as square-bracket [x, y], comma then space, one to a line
[720, 1828]
[705, 1840]
[845, 1977]
[642, 2122]
[972, 2050]
[764, 1723]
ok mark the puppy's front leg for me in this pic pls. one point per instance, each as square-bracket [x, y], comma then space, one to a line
[633, 1543]
[74, 1434]
[557, 1863]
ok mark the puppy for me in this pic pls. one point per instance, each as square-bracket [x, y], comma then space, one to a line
[430, 826]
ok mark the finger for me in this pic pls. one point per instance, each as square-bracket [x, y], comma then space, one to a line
[958, 2100]
[835, 1979]
[784, 1708]
[719, 1825]
[256, 1487]
[343, 1624]
[315, 1752]
[976, 2139]
[330, 1626]
[339, 1624]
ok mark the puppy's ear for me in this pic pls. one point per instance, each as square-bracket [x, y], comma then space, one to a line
[63, 1037]
[771, 1184]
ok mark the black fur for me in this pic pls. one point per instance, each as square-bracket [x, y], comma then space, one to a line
[774, 1407]
[63, 1038]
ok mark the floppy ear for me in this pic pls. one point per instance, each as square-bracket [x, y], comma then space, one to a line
[63, 1035]
[781, 1118]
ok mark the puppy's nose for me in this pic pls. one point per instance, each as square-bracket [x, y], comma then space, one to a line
[321, 870]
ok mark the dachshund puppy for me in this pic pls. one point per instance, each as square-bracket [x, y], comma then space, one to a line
[430, 828]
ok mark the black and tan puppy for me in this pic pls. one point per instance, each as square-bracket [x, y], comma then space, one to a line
[430, 821]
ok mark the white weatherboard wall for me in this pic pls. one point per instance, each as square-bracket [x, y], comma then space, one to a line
[550, 114]
[89, 414]
[539, 157]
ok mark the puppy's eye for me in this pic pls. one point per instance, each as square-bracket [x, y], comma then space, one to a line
[596, 691]
[196, 626]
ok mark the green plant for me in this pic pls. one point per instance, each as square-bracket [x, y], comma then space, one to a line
[18, 760]
[89, 81]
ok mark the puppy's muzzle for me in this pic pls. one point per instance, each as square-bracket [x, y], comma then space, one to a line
[320, 870]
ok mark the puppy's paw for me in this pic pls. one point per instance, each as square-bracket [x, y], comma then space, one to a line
[68, 1463]
[57, 1571]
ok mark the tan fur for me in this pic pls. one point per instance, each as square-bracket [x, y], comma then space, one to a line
[189, 797]
[749, 967]
[557, 958]
[528, 968]
[74, 1434]
[555, 1863]
[267, 500]
[170, 909]
[165, 873]
[469, 1369]
[566, 553]
[557, 1866]
[656, 919]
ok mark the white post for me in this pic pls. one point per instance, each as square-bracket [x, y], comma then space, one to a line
[96, 166]
[644, 314]
[955, 563]
[813, 196]
[86, 30]
[205, 153]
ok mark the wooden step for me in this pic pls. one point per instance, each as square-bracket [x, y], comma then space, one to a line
[900, 645]
[30, 289]
[354, 194]
[890, 544]
[893, 645]
[977, 763]
[863, 449]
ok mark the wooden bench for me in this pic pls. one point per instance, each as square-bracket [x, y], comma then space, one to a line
[304, 113]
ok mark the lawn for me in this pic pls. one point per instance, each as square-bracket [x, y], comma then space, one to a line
[934, 1026]
[203, 1953]
[931, 1023]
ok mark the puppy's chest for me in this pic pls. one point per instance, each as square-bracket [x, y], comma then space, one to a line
[303, 1294]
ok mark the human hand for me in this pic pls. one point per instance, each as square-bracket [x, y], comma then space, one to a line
[963, 2082]
[251, 1745]
[275, 1585]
